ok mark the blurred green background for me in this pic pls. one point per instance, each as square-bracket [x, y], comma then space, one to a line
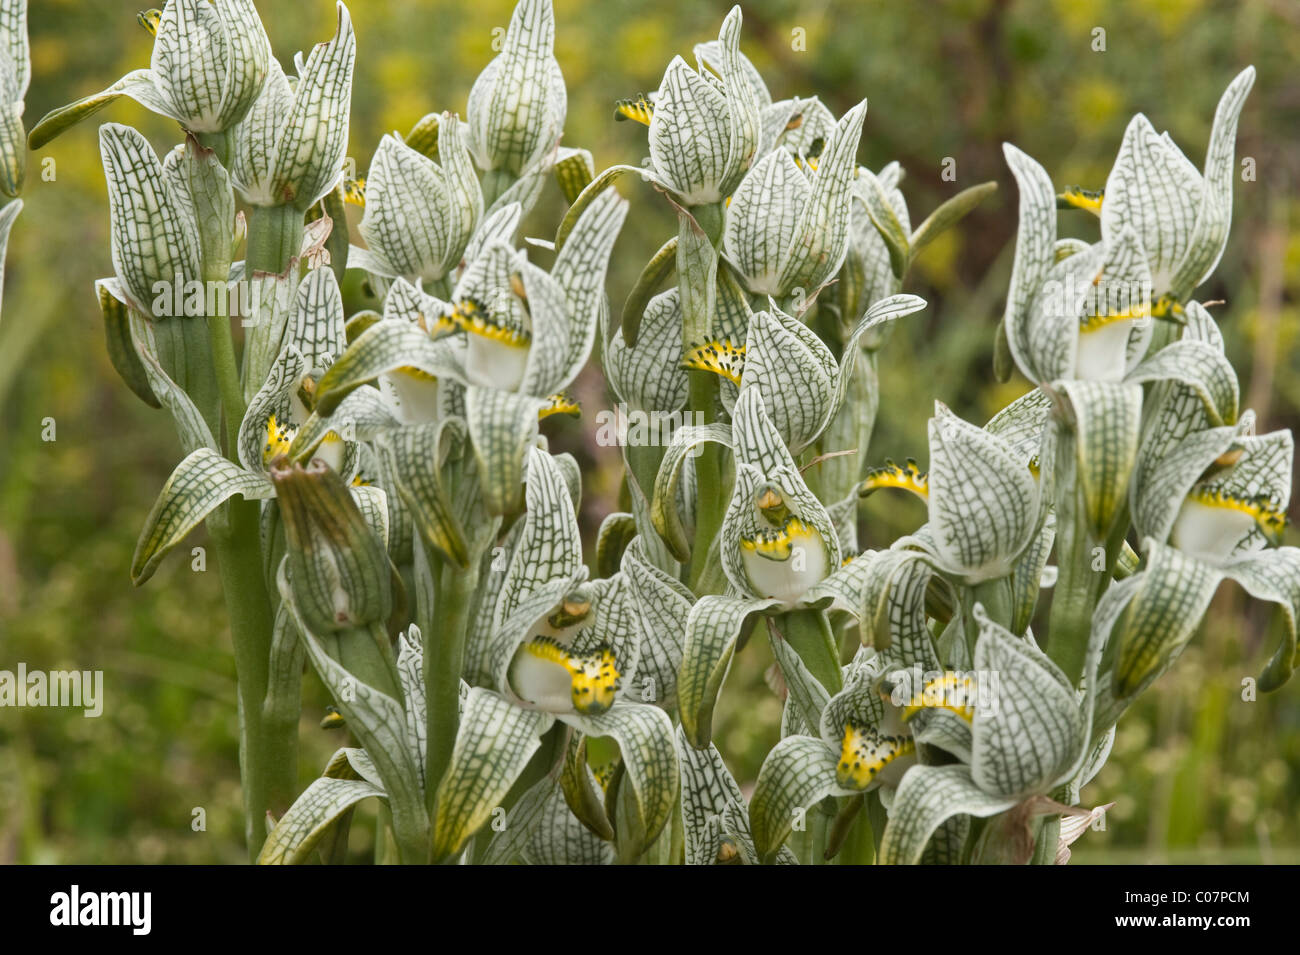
[1197, 773]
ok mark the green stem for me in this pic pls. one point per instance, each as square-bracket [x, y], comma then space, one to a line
[267, 751]
[1078, 588]
[698, 234]
[810, 635]
[274, 238]
[226, 366]
[444, 658]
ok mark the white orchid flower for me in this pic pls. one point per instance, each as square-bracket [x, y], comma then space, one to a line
[517, 105]
[1181, 216]
[704, 129]
[289, 149]
[557, 647]
[787, 226]
[209, 62]
[983, 500]
[511, 340]
[419, 214]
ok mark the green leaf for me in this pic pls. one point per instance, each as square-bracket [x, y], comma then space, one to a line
[495, 741]
[796, 373]
[1162, 617]
[310, 817]
[379, 722]
[797, 773]
[1107, 424]
[1035, 239]
[881, 212]
[715, 625]
[384, 347]
[708, 789]
[117, 326]
[1201, 367]
[948, 215]
[203, 480]
[616, 532]
[1274, 575]
[661, 264]
[414, 457]
[664, 512]
[581, 793]
[579, 270]
[661, 607]
[983, 501]
[574, 170]
[1034, 730]
[1209, 235]
[311, 147]
[927, 797]
[645, 740]
[805, 690]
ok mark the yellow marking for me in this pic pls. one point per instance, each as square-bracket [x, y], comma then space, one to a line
[149, 19]
[1169, 308]
[604, 775]
[639, 109]
[721, 358]
[865, 751]
[952, 692]
[560, 404]
[333, 719]
[1267, 515]
[359, 481]
[778, 543]
[1035, 467]
[1075, 197]
[278, 438]
[593, 675]
[354, 192]
[1092, 323]
[470, 316]
[907, 477]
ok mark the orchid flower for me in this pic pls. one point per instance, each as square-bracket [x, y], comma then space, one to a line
[419, 215]
[209, 62]
[560, 648]
[513, 337]
[289, 148]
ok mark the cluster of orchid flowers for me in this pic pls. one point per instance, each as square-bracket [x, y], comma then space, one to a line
[386, 481]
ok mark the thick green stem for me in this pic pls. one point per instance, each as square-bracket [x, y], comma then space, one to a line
[810, 635]
[1081, 579]
[267, 752]
[274, 238]
[697, 264]
[444, 657]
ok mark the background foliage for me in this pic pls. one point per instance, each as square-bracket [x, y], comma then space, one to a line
[1197, 774]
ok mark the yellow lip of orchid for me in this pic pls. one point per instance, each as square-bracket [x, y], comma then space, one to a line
[953, 692]
[637, 108]
[278, 439]
[725, 359]
[560, 403]
[907, 477]
[779, 543]
[593, 675]
[865, 752]
[1076, 197]
[149, 19]
[1263, 510]
[469, 315]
